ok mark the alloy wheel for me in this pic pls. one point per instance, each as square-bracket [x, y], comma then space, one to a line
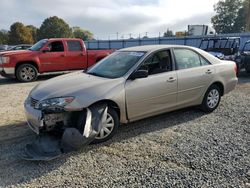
[27, 73]
[213, 98]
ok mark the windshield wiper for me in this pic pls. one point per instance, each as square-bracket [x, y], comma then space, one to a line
[95, 74]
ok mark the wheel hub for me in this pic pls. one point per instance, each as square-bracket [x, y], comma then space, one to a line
[107, 127]
[213, 98]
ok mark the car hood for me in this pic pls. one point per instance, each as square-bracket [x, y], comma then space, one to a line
[15, 52]
[86, 88]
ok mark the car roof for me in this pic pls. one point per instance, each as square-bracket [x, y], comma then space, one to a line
[149, 48]
[53, 39]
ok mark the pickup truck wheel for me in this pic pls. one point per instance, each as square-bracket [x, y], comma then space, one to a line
[247, 68]
[211, 99]
[26, 73]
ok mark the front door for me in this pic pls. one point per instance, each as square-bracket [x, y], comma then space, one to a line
[156, 93]
[54, 58]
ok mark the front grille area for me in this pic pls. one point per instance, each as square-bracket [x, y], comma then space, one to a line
[33, 102]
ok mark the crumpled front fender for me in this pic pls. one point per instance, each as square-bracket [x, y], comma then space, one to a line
[48, 146]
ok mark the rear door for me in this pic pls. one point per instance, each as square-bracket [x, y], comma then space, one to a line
[76, 57]
[194, 74]
[54, 58]
[156, 93]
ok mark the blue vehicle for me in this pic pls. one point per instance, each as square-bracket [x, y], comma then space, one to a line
[226, 48]
[244, 60]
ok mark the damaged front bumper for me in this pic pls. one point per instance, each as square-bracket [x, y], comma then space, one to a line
[34, 118]
[73, 134]
[40, 121]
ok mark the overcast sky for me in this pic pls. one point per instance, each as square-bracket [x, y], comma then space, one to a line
[106, 17]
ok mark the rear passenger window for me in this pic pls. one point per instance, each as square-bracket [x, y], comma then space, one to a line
[188, 59]
[74, 45]
[203, 61]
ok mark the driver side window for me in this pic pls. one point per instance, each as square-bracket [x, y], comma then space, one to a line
[56, 46]
[158, 63]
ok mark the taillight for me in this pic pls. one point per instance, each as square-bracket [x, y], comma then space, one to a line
[235, 69]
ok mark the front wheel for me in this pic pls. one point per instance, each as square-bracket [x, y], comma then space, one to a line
[108, 129]
[26, 73]
[211, 99]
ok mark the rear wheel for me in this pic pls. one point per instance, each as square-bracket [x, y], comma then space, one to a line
[211, 99]
[26, 73]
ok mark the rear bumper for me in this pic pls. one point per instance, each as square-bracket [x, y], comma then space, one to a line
[231, 84]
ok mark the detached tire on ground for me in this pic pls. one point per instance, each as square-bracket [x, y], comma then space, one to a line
[108, 130]
[26, 73]
[211, 99]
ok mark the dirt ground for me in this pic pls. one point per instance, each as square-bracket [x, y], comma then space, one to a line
[186, 148]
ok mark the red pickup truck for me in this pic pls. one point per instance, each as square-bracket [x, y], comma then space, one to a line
[49, 55]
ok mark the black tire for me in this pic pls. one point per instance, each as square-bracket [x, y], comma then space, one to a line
[111, 112]
[206, 105]
[29, 76]
[247, 68]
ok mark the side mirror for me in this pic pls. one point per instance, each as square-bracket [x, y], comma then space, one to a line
[139, 74]
[46, 49]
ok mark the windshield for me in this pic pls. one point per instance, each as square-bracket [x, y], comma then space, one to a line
[38, 45]
[116, 65]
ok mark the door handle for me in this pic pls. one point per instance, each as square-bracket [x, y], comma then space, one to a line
[209, 71]
[62, 55]
[171, 79]
[81, 54]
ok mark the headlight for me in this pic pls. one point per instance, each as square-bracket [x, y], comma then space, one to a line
[5, 59]
[54, 103]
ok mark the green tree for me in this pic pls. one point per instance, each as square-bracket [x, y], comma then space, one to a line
[168, 33]
[82, 33]
[228, 18]
[19, 34]
[33, 31]
[243, 19]
[3, 37]
[54, 27]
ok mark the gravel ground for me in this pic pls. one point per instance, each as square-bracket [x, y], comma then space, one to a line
[186, 148]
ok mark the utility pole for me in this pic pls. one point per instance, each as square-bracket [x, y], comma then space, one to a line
[248, 17]
[117, 34]
[130, 35]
